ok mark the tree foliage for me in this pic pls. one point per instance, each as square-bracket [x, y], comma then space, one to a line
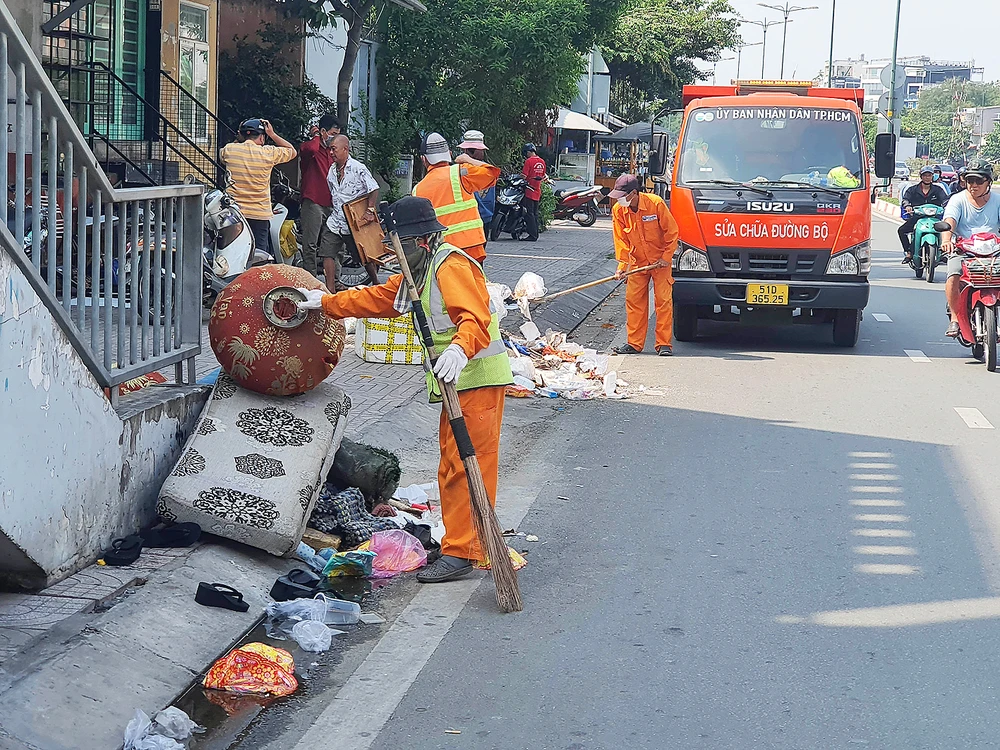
[653, 48]
[500, 66]
[257, 77]
[935, 119]
[990, 149]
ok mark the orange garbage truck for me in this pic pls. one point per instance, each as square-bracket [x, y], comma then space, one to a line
[770, 190]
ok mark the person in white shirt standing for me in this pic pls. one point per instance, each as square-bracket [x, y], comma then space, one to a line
[349, 180]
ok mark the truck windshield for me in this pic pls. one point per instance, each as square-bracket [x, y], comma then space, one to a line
[767, 144]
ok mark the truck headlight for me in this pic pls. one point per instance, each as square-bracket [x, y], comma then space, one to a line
[855, 261]
[691, 259]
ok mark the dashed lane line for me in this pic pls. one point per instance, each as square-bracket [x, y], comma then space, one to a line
[882, 317]
[973, 418]
[916, 355]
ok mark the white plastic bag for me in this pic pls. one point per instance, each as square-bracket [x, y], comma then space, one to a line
[524, 367]
[498, 293]
[137, 729]
[282, 617]
[529, 286]
[313, 636]
[174, 723]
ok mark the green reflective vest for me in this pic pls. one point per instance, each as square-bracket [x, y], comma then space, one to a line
[489, 367]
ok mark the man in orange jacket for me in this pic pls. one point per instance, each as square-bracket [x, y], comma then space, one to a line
[452, 189]
[471, 355]
[645, 234]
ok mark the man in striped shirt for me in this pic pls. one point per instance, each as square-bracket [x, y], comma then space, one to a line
[250, 164]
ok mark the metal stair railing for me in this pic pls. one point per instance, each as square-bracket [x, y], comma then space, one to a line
[174, 97]
[122, 275]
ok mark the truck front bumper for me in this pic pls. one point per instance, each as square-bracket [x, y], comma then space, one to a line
[830, 295]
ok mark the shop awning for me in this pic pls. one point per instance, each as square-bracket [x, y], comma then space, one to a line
[570, 120]
[632, 133]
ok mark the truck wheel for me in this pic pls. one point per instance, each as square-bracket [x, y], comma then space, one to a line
[846, 327]
[685, 322]
[931, 262]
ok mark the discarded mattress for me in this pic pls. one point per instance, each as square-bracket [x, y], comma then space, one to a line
[254, 466]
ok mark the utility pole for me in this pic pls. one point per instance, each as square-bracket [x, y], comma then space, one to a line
[739, 55]
[833, 25]
[764, 25]
[786, 10]
[892, 78]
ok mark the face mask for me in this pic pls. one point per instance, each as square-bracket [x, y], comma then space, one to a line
[623, 201]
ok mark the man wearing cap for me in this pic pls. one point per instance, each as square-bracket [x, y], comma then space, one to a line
[466, 333]
[921, 194]
[451, 189]
[534, 172]
[645, 235]
[472, 144]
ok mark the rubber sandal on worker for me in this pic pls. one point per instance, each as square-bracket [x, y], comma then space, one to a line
[665, 351]
[445, 568]
[953, 330]
[298, 583]
[178, 535]
[220, 595]
[626, 349]
[123, 551]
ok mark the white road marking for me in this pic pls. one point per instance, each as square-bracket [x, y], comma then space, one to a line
[973, 418]
[881, 518]
[916, 355]
[886, 569]
[882, 317]
[876, 488]
[877, 503]
[869, 454]
[531, 257]
[884, 533]
[875, 477]
[880, 549]
[873, 466]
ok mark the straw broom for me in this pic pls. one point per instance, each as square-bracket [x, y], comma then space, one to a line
[483, 516]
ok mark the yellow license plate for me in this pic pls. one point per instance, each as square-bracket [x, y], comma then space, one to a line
[767, 294]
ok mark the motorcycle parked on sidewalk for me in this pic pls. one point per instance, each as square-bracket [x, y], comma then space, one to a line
[287, 202]
[980, 295]
[510, 213]
[927, 255]
[579, 204]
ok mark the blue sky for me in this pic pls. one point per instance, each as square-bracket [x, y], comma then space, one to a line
[927, 27]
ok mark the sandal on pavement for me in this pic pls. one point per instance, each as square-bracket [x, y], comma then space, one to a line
[953, 330]
[124, 551]
[626, 349]
[220, 595]
[445, 568]
[298, 583]
[178, 535]
[665, 351]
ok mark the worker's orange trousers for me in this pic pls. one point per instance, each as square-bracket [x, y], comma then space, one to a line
[483, 410]
[637, 306]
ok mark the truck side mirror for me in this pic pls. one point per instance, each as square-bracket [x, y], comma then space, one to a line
[885, 155]
[658, 155]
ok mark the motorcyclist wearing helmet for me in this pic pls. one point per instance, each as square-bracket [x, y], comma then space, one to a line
[923, 193]
[534, 173]
[250, 163]
[959, 181]
[975, 210]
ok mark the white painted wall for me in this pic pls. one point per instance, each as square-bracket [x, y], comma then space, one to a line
[73, 475]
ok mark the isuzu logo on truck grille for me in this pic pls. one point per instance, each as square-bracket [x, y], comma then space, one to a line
[770, 207]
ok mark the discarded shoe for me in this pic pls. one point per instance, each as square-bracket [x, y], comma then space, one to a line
[445, 568]
[665, 351]
[124, 551]
[220, 595]
[178, 535]
[298, 583]
[626, 349]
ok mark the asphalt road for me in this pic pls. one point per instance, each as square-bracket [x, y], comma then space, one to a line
[781, 544]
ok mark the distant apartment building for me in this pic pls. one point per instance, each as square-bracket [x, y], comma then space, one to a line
[920, 71]
[981, 121]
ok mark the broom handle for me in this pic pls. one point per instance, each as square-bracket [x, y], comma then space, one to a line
[589, 284]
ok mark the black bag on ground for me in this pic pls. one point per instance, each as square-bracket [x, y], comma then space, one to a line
[374, 471]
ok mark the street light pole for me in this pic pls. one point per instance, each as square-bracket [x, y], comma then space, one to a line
[739, 55]
[833, 25]
[764, 25]
[786, 10]
[892, 78]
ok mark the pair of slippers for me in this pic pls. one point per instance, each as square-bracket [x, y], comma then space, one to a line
[220, 595]
[126, 551]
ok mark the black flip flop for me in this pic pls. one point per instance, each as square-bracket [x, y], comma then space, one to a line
[220, 595]
[298, 583]
[123, 551]
[178, 535]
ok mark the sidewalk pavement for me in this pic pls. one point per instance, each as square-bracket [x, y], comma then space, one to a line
[79, 657]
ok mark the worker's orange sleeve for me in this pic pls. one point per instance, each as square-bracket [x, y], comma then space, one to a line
[463, 288]
[365, 301]
[668, 225]
[476, 177]
[622, 248]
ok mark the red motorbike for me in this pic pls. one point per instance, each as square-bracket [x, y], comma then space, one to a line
[579, 204]
[980, 280]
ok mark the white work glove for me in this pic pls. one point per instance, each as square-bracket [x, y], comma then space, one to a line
[451, 363]
[313, 299]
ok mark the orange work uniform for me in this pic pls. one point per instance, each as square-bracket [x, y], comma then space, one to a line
[463, 288]
[643, 237]
[437, 187]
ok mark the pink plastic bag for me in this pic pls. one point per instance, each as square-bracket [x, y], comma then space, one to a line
[396, 552]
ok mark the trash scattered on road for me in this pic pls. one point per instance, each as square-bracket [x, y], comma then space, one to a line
[370, 618]
[339, 612]
[174, 723]
[531, 538]
[452, 731]
[140, 734]
[254, 668]
[351, 563]
[396, 552]
[314, 636]
[515, 558]
[373, 470]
